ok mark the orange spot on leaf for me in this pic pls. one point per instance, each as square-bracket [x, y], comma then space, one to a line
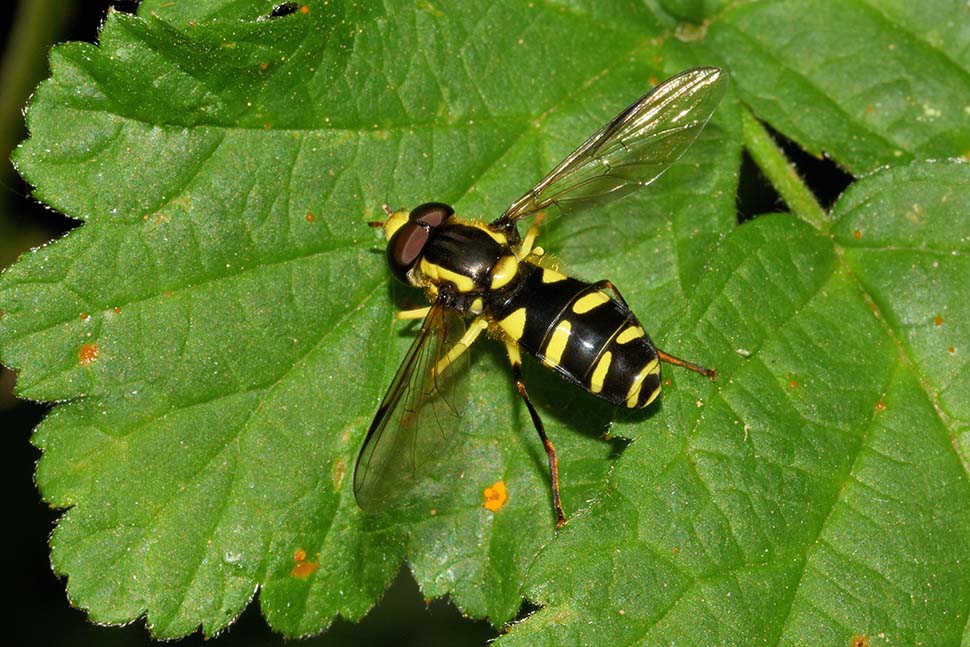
[793, 384]
[880, 406]
[304, 9]
[938, 320]
[495, 496]
[85, 316]
[302, 568]
[860, 640]
[88, 353]
[857, 234]
[310, 217]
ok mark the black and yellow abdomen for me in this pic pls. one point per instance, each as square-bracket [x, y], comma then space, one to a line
[578, 330]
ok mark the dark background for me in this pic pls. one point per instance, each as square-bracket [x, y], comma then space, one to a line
[39, 613]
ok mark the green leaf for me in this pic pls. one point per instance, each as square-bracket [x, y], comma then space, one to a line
[818, 491]
[218, 332]
[865, 83]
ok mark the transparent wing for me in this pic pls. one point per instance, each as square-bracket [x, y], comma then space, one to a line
[418, 417]
[631, 151]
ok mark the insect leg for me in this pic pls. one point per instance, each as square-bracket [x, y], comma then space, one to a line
[676, 361]
[607, 284]
[664, 357]
[530, 237]
[474, 330]
[417, 313]
[515, 359]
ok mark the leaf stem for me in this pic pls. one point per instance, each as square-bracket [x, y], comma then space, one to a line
[780, 172]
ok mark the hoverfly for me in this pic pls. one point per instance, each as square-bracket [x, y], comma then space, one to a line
[583, 331]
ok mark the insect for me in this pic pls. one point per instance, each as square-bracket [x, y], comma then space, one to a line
[490, 274]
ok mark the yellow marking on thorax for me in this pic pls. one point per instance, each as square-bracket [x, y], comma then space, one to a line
[437, 274]
[557, 343]
[497, 236]
[599, 373]
[514, 324]
[551, 276]
[652, 367]
[504, 271]
[589, 301]
[629, 334]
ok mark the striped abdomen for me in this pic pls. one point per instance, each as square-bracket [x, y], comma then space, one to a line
[582, 333]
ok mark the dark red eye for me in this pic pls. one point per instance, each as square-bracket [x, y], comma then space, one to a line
[407, 243]
[405, 248]
[431, 213]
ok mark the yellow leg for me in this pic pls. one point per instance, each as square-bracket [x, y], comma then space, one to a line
[476, 327]
[530, 237]
[417, 313]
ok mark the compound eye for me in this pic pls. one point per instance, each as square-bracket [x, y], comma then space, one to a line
[431, 213]
[405, 247]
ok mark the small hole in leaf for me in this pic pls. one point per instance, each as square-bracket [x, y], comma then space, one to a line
[756, 195]
[822, 176]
